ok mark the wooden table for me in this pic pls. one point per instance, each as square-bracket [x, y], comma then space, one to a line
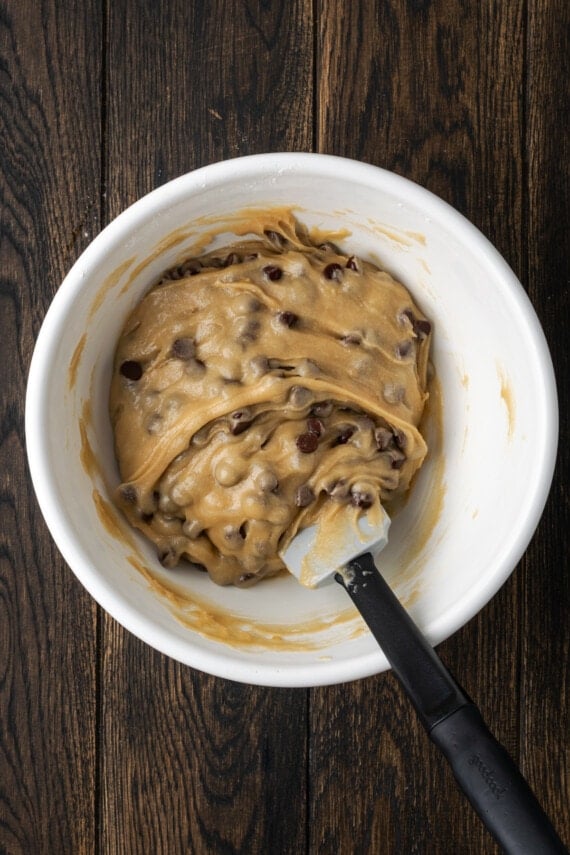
[105, 745]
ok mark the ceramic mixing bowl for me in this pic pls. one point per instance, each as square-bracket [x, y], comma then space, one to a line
[491, 425]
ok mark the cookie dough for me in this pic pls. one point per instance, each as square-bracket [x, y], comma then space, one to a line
[256, 388]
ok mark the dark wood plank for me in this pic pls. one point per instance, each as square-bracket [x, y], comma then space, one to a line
[49, 185]
[191, 763]
[469, 99]
[545, 607]
[220, 80]
[411, 86]
[432, 92]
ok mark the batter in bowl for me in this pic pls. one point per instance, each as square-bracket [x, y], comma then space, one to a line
[256, 388]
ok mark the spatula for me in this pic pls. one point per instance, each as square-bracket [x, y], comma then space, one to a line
[483, 769]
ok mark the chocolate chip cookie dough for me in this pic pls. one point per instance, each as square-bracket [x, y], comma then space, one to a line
[256, 388]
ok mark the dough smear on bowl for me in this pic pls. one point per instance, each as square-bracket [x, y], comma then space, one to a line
[256, 388]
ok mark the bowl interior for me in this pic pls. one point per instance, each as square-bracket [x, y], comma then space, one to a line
[473, 507]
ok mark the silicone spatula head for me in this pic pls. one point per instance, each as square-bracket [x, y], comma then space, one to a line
[321, 550]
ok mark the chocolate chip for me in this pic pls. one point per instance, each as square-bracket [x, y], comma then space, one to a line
[168, 557]
[200, 438]
[315, 426]
[215, 261]
[299, 396]
[154, 424]
[129, 493]
[146, 518]
[249, 331]
[240, 420]
[191, 268]
[195, 367]
[352, 264]
[307, 442]
[383, 438]
[397, 458]
[322, 409]
[276, 238]
[273, 272]
[188, 268]
[289, 319]
[361, 499]
[365, 423]
[183, 348]
[267, 481]
[241, 415]
[400, 438]
[304, 496]
[245, 303]
[259, 365]
[352, 339]
[232, 258]
[403, 349]
[344, 436]
[308, 368]
[131, 370]
[333, 271]
[422, 327]
[233, 535]
[280, 364]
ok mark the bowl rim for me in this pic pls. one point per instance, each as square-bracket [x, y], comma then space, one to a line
[226, 664]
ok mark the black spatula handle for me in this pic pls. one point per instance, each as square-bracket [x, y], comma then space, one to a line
[483, 769]
[494, 785]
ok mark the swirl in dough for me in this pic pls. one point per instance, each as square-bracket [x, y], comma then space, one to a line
[257, 388]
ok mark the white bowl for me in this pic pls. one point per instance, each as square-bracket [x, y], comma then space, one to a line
[474, 506]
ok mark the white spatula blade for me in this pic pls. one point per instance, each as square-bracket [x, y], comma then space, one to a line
[319, 551]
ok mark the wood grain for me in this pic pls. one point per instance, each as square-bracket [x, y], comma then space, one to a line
[545, 601]
[49, 186]
[106, 746]
[433, 91]
[220, 80]
[213, 760]
[193, 763]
